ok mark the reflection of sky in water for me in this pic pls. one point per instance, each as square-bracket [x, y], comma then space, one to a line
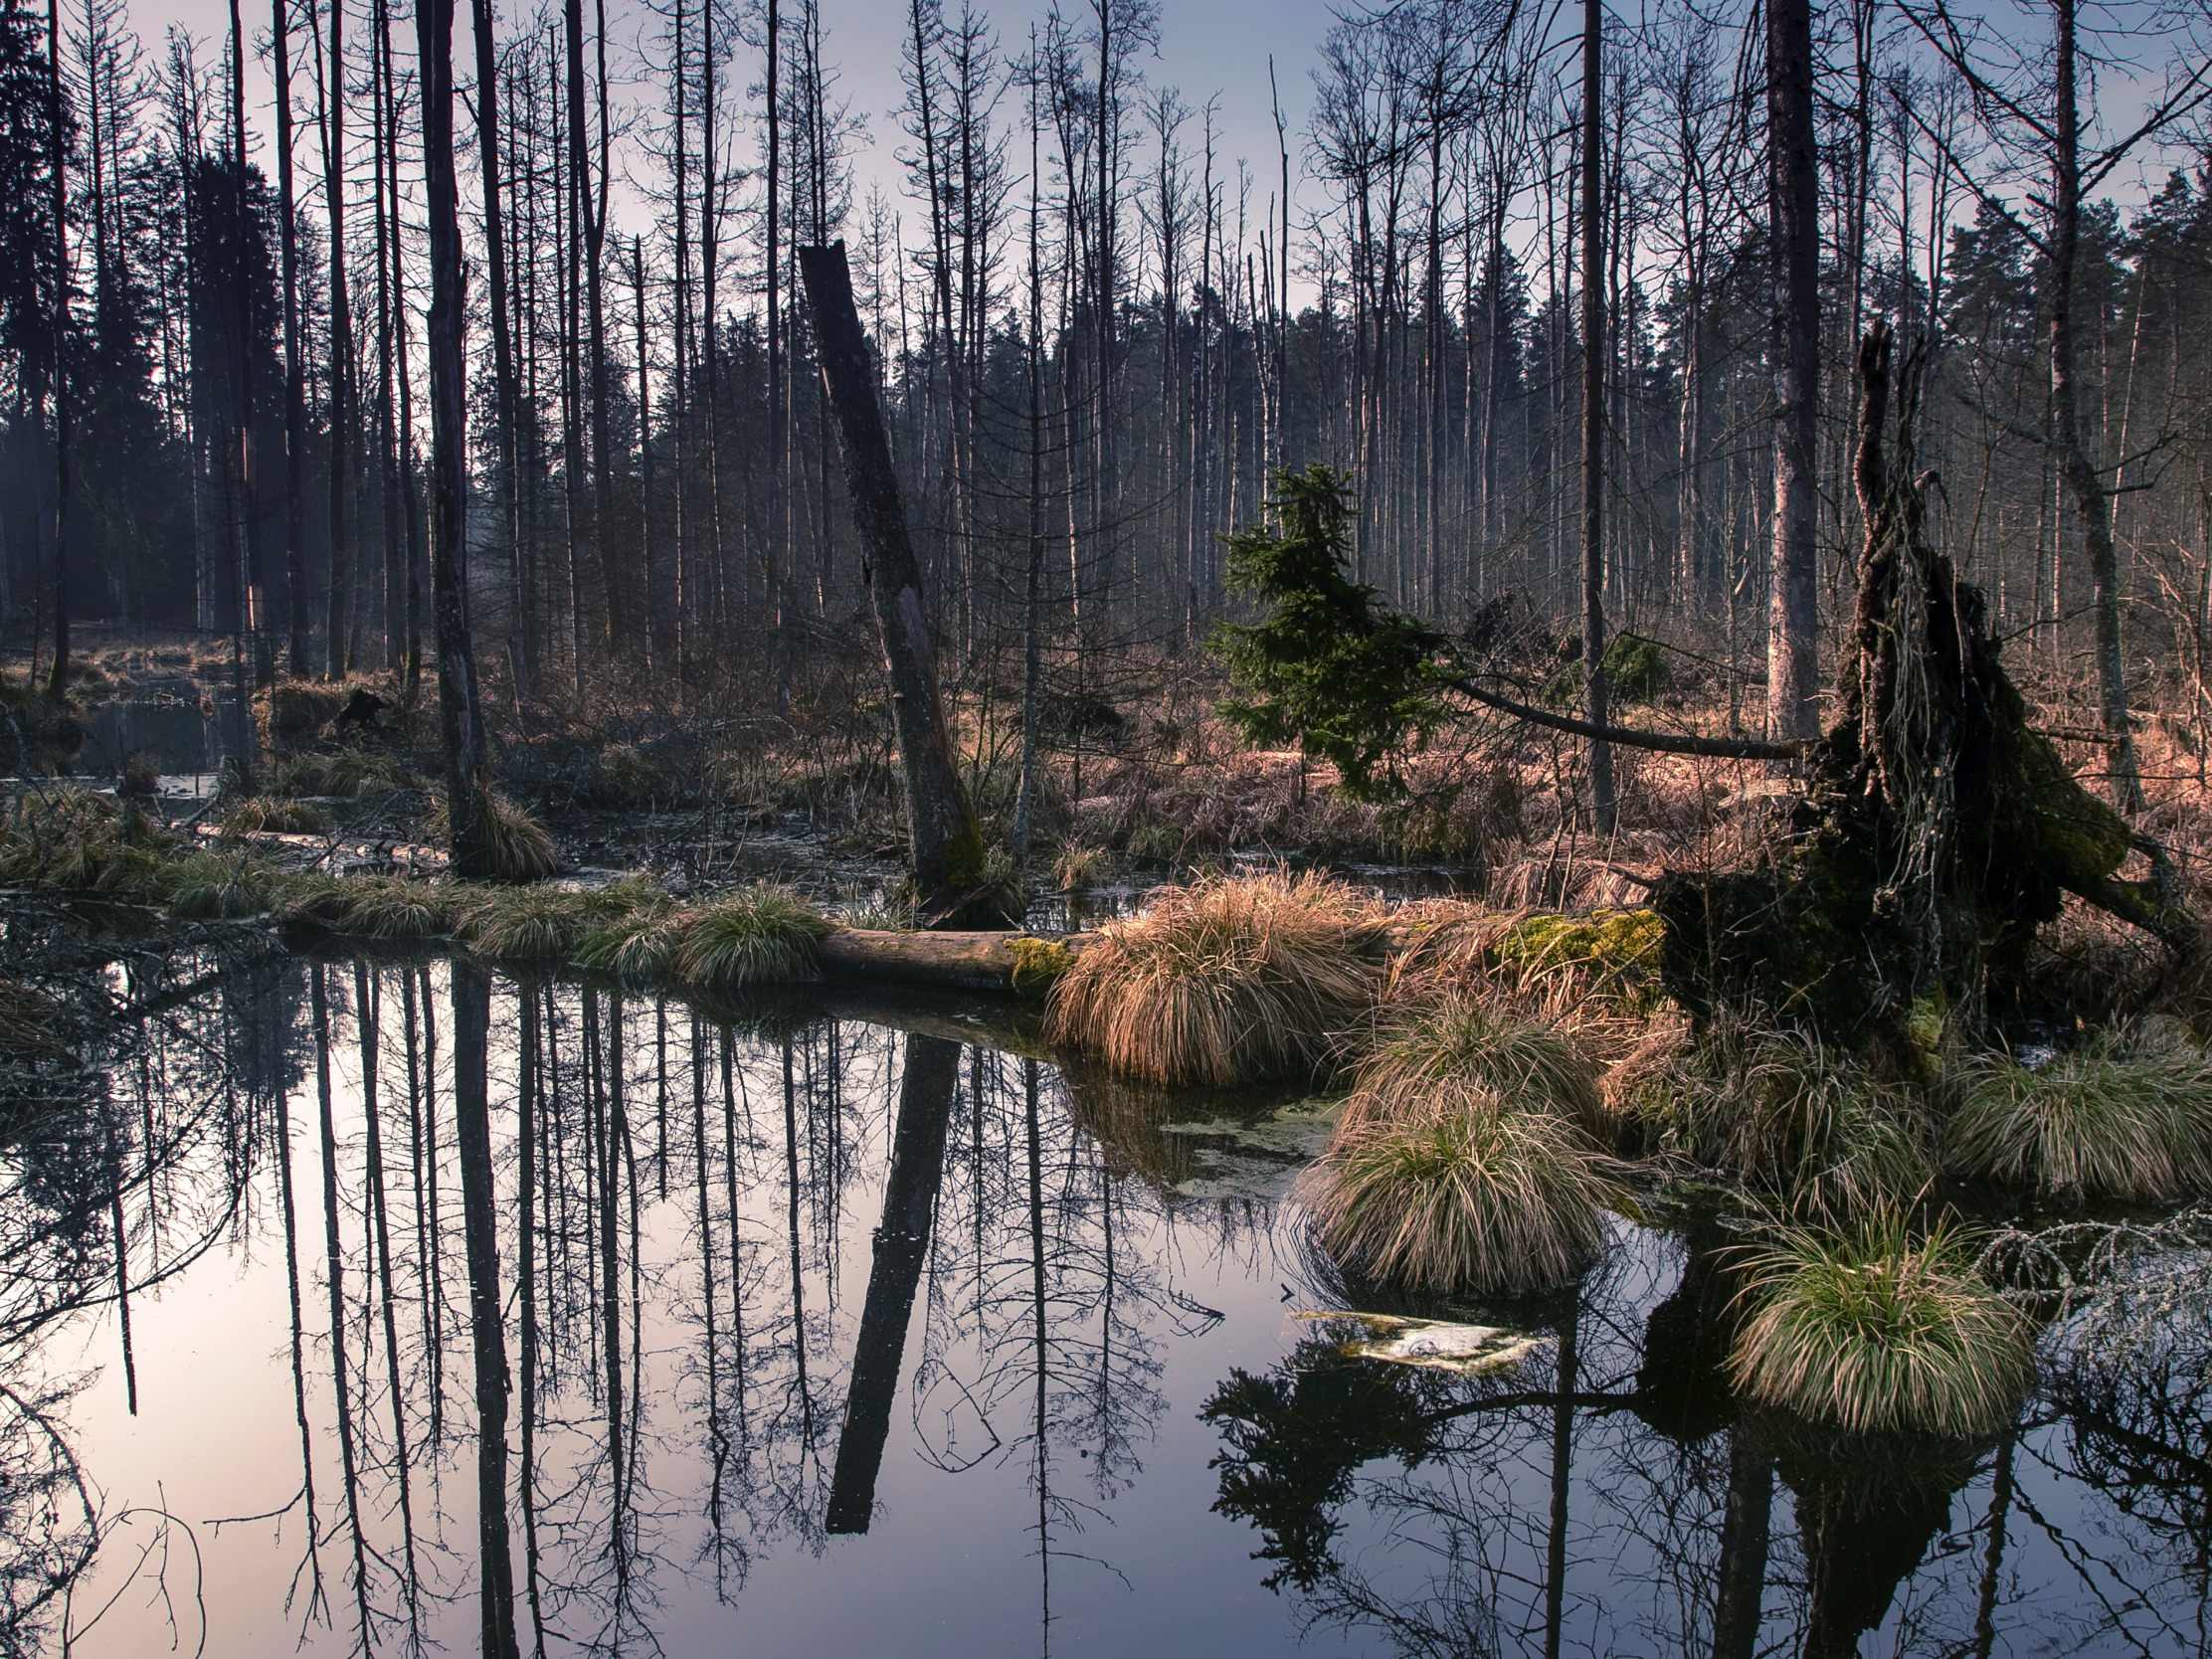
[1400, 1510]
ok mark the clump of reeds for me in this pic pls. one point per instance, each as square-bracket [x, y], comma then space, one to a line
[1529, 1062]
[208, 883]
[1879, 1332]
[522, 924]
[1233, 979]
[1463, 1191]
[275, 815]
[1779, 1109]
[393, 908]
[511, 845]
[75, 843]
[632, 929]
[2126, 1113]
[1077, 866]
[762, 935]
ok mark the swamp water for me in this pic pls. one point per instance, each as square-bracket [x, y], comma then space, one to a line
[840, 1334]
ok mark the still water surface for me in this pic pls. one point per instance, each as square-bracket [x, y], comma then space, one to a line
[831, 1336]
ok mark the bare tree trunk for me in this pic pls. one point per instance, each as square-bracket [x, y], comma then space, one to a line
[1593, 416]
[2091, 501]
[946, 846]
[502, 349]
[459, 717]
[58, 134]
[340, 393]
[1793, 184]
[296, 420]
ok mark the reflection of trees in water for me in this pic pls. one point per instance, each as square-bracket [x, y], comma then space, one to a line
[685, 1258]
[121, 1163]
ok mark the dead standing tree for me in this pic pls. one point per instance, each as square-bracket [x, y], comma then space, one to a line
[946, 846]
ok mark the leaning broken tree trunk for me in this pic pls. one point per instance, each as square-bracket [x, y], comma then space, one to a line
[1939, 830]
[458, 708]
[946, 846]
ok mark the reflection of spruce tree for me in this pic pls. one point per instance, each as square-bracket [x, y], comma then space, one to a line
[531, 1078]
[317, 1602]
[1296, 1436]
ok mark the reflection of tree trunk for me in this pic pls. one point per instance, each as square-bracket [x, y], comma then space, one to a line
[365, 1021]
[1863, 1535]
[901, 1244]
[435, 1290]
[336, 1254]
[122, 1231]
[1043, 1353]
[2000, 1511]
[715, 1438]
[479, 1222]
[797, 1273]
[604, 1157]
[1743, 1534]
[1563, 1470]
[526, 1293]
[298, 1342]
[729, 1199]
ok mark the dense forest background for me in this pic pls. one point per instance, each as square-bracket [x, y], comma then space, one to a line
[1098, 333]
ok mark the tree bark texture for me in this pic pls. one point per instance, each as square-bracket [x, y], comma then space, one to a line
[947, 844]
[1794, 191]
[458, 713]
[1593, 415]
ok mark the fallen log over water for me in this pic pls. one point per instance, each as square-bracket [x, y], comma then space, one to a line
[989, 961]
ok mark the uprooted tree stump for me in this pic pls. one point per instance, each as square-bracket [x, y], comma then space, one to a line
[1939, 831]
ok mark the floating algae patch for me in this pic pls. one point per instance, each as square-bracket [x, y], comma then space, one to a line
[1431, 1343]
[1256, 1157]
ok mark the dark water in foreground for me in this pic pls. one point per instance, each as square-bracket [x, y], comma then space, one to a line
[832, 1337]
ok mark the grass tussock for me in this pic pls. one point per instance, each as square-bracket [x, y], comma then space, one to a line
[1078, 866]
[1879, 1332]
[1233, 979]
[74, 842]
[632, 929]
[762, 935]
[208, 884]
[1466, 1192]
[393, 907]
[522, 924]
[30, 1021]
[1532, 1063]
[1780, 1110]
[263, 814]
[510, 844]
[2127, 1114]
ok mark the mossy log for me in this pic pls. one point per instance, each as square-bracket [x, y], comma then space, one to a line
[1939, 831]
[1020, 962]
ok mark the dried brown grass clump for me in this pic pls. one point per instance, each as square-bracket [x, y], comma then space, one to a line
[1462, 1192]
[513, 845]
[1530, 1062]
[1233, 979]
